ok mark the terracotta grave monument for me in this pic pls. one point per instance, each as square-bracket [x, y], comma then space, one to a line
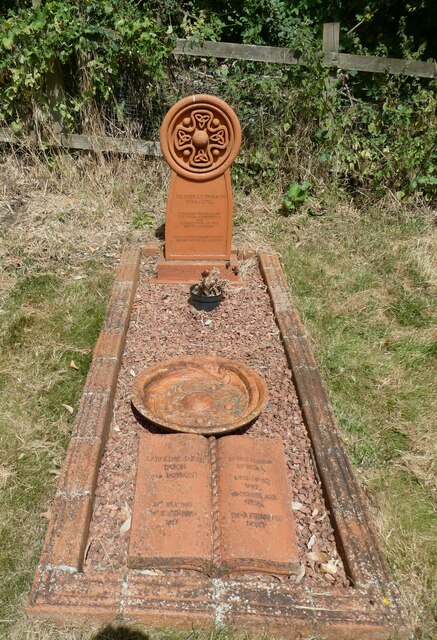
[200, 138]
[266, 530]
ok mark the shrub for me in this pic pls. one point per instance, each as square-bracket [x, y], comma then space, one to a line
[92, 40]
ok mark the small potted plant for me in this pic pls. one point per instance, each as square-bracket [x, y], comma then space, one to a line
[207, 294]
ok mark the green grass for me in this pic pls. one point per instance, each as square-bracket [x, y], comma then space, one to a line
[47, 323]
[363, 285]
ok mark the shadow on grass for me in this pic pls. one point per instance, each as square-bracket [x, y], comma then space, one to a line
[120, 633]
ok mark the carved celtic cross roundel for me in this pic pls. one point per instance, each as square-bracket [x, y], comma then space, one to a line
[200, 137]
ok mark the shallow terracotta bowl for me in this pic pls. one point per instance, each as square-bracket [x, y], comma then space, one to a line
[200, 394]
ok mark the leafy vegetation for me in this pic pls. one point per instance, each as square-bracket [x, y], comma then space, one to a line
[383, 135]
[370, 23]
[368, 132]
[295, 195]
[91, 41]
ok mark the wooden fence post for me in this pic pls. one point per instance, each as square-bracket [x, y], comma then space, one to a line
[331, 41]
[331, 36]
[55, 92]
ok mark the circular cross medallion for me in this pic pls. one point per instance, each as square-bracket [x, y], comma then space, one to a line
[200, 137]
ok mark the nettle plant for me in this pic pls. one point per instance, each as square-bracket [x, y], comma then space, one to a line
[295, 195]
[93, 41]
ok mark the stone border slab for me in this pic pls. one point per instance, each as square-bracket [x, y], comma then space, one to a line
[62, 592]
[363, 558]
[67, 533]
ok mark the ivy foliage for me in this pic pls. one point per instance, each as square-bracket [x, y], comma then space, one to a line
[370, 131]
[383, 134]
[263, 22]
[273, 22]
[91, 39]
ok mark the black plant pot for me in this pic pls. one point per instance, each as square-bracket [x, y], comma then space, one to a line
[204, 303]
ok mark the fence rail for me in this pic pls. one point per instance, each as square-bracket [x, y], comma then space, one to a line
[228, 50]
[332, 57]
[374, 64]
[250, 52]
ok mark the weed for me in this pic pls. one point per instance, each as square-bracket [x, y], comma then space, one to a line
[142, 219]
[295, 195]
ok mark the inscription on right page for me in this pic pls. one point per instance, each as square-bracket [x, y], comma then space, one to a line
[256, 525]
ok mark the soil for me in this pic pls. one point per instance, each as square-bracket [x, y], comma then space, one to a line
[164, 325]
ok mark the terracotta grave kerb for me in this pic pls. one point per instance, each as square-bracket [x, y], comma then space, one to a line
[200, 138]
[79, 579]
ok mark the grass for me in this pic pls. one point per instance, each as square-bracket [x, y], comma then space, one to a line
[362, 276]
[364, 285]
[48, 324]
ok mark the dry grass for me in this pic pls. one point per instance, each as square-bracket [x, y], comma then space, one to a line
[77, 210]
[363, 278]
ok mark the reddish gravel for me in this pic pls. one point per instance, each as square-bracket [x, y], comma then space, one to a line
[164, 325]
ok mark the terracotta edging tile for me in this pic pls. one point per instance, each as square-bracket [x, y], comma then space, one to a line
[131, 254]
[128, 269]
[127, 272]
[101, 375]
[71, 511]
[64, 597]
[79, 472]
[119, 307]
[186, 600]
[358, 616]
[361, 551]
[122, 294]
[93, 417]
[110, 344]
[289, 612]
[150, 250]
[67, 533]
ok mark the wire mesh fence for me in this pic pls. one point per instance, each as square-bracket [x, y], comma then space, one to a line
[136, 111]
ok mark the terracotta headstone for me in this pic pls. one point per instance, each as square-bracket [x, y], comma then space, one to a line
[200, 138]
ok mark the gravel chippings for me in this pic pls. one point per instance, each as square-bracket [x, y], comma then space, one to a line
[164, 325]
